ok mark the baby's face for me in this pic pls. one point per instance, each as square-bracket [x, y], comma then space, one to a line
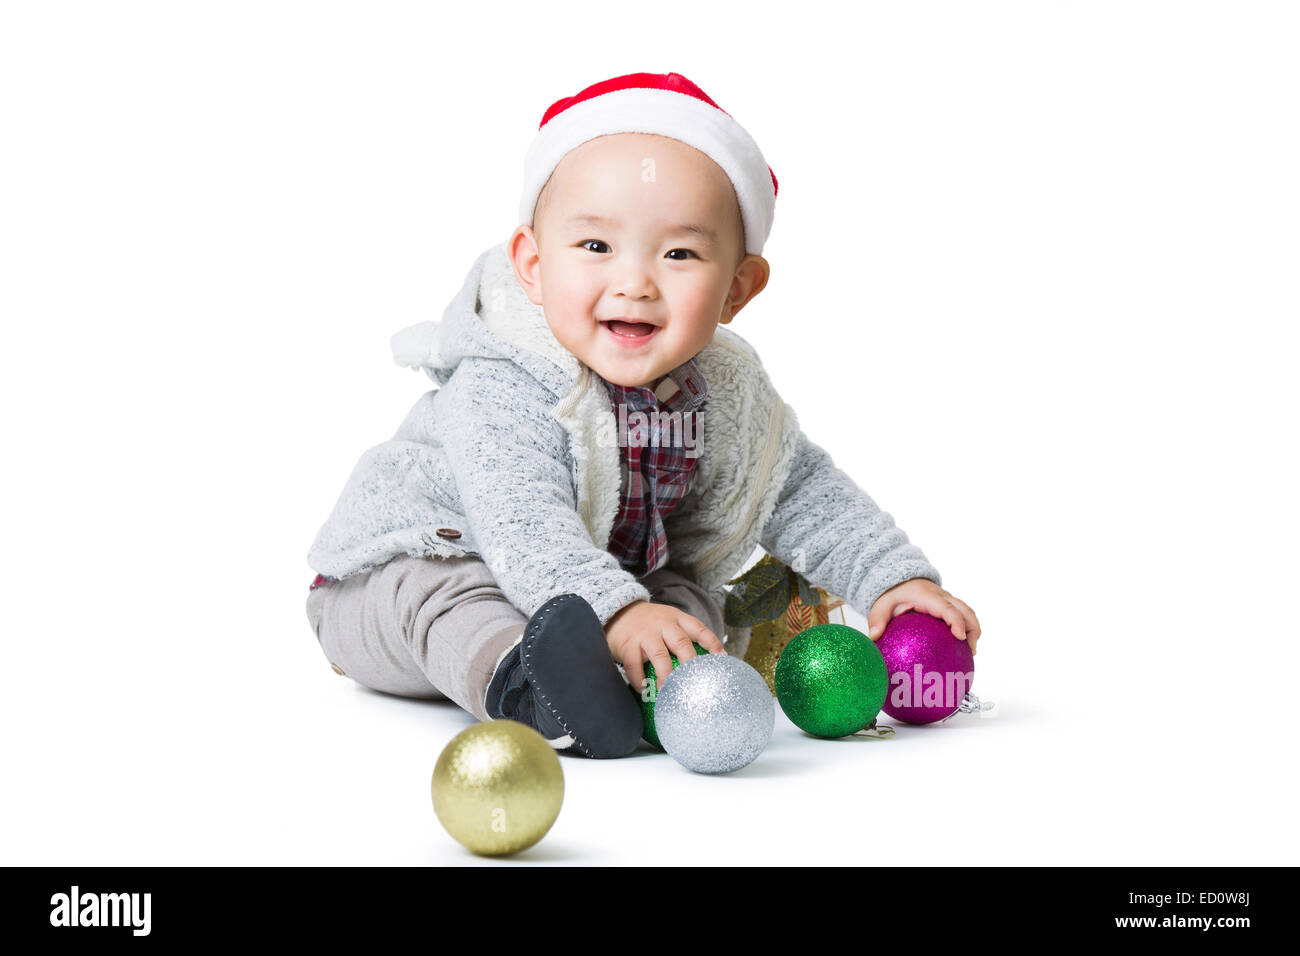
[636, 255]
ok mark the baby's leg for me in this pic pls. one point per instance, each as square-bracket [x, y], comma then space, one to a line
[667, 586]
[418, 627]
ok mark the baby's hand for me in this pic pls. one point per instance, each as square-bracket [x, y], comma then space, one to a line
[918, 594]
[644, 631]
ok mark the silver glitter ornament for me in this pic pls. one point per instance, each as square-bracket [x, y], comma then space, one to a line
[714, 714]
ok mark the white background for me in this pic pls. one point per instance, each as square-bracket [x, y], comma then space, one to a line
[1034, 285]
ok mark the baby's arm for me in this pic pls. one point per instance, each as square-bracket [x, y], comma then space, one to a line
[831, 531]
[507, 455]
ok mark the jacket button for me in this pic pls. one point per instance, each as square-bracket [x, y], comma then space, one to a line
[338, 670]
[447, 533]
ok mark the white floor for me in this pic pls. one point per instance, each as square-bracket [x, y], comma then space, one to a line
[300, 766]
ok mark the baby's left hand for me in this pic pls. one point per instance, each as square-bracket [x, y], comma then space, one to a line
[918, 594]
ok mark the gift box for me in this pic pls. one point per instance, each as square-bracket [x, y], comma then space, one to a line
[775, 603]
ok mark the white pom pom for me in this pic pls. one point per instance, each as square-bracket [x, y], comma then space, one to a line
[415, 346]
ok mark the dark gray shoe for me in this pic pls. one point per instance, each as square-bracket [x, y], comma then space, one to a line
[560, 680]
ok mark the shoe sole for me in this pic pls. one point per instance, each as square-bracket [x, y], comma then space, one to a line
[567, 664]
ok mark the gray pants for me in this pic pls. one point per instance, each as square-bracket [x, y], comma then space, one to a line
[436, 627]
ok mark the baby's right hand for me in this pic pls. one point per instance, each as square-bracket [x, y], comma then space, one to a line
[644, 631]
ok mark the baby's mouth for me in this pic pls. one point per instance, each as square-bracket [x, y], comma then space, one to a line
[631, 330]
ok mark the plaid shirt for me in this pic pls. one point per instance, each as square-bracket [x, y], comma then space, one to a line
[660, 431]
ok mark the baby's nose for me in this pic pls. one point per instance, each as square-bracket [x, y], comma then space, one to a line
[635, 283]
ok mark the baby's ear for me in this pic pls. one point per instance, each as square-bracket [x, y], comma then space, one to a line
[527, 261]
[751, 278]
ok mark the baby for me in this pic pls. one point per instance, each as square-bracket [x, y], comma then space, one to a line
[556, 513]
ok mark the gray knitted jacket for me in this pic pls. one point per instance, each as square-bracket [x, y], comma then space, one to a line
[517, 451]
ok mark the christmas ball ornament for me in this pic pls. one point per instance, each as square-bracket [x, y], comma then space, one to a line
[714, 714]
[930, 670]
[831, 680]
[497, 787]
[648, 695]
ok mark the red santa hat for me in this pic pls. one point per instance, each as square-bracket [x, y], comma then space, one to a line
[667, 104]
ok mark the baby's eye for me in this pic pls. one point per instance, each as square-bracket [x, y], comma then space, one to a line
[588, 242]
[687, 251]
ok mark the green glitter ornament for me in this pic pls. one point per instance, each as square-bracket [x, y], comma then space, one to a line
[648, 699]
[831, 680]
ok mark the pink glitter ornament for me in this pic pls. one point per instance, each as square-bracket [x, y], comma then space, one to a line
[930, 670]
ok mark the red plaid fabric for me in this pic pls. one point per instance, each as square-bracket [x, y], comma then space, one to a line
[661, 435]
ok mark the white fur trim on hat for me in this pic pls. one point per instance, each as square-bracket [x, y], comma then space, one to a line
[668, 113]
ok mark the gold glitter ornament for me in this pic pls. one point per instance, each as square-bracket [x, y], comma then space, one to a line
[497, 787]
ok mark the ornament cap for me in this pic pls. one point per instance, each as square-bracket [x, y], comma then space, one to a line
[875, 730]
[971, 704]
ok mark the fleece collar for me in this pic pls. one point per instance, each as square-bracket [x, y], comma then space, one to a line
[493, 317]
